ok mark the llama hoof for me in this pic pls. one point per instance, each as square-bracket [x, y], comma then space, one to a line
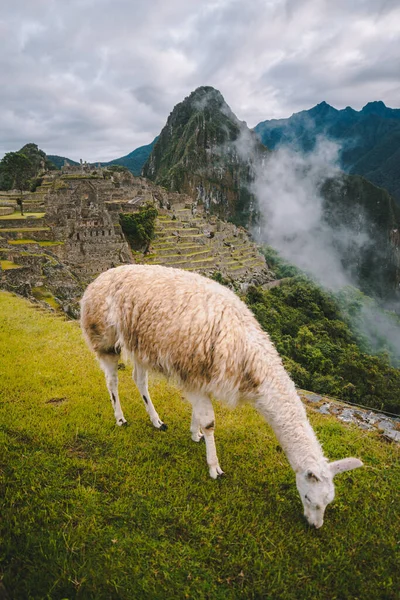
[197, 437]
[163, 427]
[121, 422]
[216, 472]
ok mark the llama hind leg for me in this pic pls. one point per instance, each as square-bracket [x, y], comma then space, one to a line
[140, 377]
[109, 364]
[203, 415]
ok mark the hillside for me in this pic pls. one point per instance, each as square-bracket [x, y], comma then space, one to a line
[135, 160]
[205, 151]
[59, 161]
[369, 139]
[93, 511]
[354, 209]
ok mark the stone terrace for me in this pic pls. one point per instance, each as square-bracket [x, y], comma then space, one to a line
[70, 232]
[187, 239]
[28, 264]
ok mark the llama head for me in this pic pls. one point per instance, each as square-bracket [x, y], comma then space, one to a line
[317, 490]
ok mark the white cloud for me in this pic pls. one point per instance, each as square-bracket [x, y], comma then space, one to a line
[98, 78]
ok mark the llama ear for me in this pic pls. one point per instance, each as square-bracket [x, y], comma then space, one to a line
[346, 464]
[311, 476]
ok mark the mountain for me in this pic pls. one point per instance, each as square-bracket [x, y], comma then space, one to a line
[206, 152]
[59, 161]
[355, 209]
[135, 160]
[369, 138]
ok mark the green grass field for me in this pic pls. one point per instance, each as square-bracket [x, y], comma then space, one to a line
[89, 510]
[17, 215]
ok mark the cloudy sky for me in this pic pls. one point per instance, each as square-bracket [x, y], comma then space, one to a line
[95, 79]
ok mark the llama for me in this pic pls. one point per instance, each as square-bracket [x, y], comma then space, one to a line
[199, 332]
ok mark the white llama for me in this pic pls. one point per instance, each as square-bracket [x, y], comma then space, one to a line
[199, 332]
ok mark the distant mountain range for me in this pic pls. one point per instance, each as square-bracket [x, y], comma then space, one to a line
[59, 161]
[206, 152]
[133, 161]
[369, 139]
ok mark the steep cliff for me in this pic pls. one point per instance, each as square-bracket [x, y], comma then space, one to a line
[206, 152]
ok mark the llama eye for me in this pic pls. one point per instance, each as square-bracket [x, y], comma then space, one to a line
[307, 499]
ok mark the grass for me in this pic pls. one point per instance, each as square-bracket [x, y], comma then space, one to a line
[23, 229]
[6, 265]
[43, 294]
[89, 510]
[17, 215]
[44, 243]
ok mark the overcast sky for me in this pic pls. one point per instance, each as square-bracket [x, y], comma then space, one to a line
[95, 79]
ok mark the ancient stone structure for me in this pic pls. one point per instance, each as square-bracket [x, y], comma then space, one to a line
[70, 232]
[92, 237]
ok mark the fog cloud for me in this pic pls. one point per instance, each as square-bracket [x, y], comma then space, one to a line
[97, 78]
[288, 189]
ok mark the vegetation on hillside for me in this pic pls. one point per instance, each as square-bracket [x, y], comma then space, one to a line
[90, 510]
[16, 171]
[322, 340]
[139, 227]
[21, 170]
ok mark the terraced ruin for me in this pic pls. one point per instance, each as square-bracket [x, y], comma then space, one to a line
[68, 231]
[207, 245]
[29, 266]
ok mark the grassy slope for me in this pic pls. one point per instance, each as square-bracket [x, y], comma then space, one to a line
[92, 511]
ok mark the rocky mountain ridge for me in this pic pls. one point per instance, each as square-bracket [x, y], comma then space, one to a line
[369, 139]
[205, 151]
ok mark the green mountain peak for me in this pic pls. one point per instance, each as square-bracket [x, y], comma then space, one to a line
[204, 150]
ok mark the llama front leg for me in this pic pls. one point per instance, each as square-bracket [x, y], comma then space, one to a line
[203, 416]
[195, 430]
[140, 377]
[109, 364]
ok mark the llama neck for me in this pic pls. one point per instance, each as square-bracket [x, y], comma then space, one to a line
[284, 411]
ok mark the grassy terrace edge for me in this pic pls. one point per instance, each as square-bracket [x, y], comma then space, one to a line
[92, 511]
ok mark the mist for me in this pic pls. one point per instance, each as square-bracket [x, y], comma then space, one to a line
[287, 187]
[293, 221]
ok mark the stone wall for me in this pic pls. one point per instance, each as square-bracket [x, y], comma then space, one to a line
[77, 214]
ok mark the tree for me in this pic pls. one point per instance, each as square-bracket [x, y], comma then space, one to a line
[15, 169]
[139, 227]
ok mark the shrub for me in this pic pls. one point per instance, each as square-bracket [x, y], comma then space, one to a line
[318, 347]
[139, 227]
